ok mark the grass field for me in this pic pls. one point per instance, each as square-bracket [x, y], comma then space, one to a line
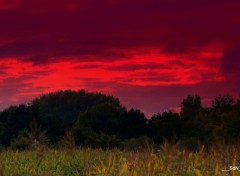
[167, 161]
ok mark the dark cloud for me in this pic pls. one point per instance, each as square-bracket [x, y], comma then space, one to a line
[6, 5]
[133, 67]
[88, 66]
[231, 59]
[230, 65]
[44, 29]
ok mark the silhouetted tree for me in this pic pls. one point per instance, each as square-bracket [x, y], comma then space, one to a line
[228, 131]
[190, 107]
[165, 126]
[15, 119]
[98, 120]
[221, 104]
[133, 124]
[60, 110]
[99, 126]
[102, 118]
[237, 106]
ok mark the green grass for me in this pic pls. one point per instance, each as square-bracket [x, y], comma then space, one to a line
[167, 161]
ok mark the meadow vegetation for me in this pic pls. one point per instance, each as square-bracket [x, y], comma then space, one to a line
[167, 160]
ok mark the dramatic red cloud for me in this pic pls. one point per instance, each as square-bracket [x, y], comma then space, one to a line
[141, 70]
[149, 53]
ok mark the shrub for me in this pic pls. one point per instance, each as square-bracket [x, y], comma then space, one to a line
[189, 143]
[142, 142]
[68, 140]
[20, 142]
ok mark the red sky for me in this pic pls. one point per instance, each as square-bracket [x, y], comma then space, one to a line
[149, 53]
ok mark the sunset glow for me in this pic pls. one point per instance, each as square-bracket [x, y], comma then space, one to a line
[150, 54]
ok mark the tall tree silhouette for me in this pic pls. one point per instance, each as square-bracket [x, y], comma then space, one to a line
[164, 126]
[190, 107]
[222, 103]
[133, 124]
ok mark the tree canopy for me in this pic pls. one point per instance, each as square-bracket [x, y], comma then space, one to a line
[98, 120]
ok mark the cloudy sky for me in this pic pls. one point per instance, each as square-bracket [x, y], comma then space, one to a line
[149, 53]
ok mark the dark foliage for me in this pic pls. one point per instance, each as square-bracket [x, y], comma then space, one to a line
[15, 119]
[164, 126]
[133, 124]
[190, 107]
[60, 110]
[79, 118]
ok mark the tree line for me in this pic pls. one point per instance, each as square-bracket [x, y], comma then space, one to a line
[80, 118]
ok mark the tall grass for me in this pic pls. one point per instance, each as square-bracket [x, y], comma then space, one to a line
[168, 160]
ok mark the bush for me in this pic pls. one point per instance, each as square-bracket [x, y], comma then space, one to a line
[109, 141]
[20, 142]
[142, 142]
[68, 140]
[189, 143]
